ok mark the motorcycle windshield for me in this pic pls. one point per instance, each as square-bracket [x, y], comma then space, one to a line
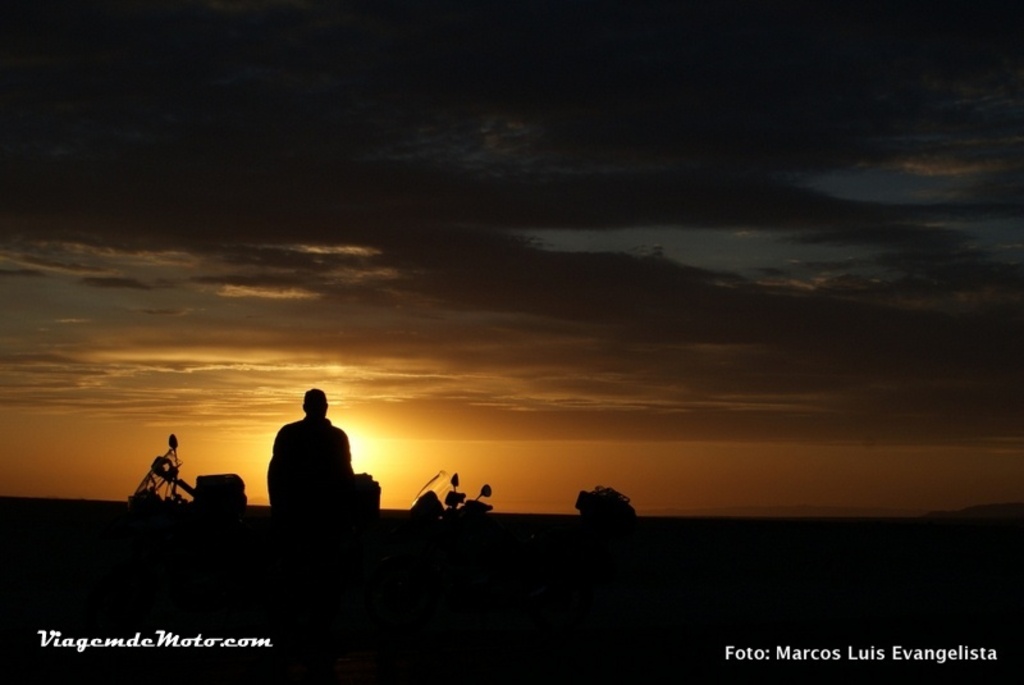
[440, 485]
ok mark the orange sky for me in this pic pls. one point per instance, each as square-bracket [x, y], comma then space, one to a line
[82, 456]
[709, 257]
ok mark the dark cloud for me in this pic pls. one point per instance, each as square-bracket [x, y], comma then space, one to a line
[20, 273]
[165, 312]
[115, 282]
[425, 140]
[717, 101]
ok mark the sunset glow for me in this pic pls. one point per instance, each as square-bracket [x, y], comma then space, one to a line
[711, 274]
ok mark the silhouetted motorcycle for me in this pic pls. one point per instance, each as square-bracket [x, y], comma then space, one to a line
[186, 542]
[463, 557]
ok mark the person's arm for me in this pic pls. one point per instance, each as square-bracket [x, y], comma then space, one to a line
[276, 476]
[346, 455]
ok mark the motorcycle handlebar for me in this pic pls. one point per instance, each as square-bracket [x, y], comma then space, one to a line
[476, 506]
[165, 469]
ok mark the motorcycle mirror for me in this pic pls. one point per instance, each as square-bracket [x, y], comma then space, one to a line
[485, 491]
[455, 481]
[173, 442]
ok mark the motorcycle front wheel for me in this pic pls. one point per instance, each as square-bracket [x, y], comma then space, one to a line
[401, 594]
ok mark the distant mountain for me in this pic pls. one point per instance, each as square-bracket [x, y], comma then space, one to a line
[1008, 510]
[796, 511]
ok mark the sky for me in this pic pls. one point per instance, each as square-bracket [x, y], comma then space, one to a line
[711, 254]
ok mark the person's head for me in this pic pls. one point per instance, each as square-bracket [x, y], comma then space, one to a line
[315, 404]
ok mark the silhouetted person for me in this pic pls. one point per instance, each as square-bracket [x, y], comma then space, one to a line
[310, 483]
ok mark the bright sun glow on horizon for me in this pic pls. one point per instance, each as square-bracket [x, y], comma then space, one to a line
[654, 268]
[95, 427]
[106, 460]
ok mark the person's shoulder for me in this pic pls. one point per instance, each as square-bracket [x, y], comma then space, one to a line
[290, 428]
[332, 428]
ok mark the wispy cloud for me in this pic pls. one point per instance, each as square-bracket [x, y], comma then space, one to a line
[267, 293]
[372, 187]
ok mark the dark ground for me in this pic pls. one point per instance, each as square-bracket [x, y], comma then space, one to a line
[685, 590]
